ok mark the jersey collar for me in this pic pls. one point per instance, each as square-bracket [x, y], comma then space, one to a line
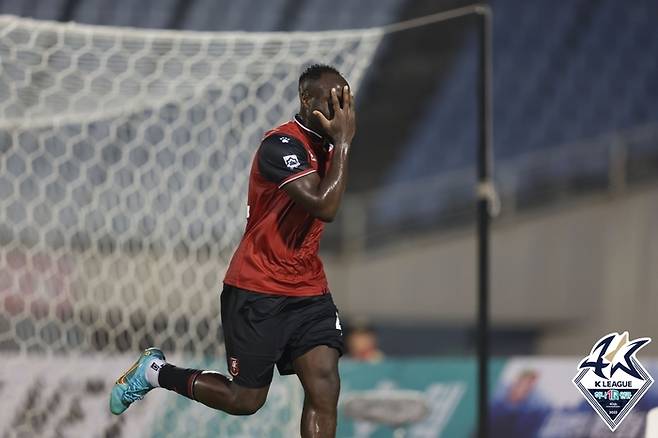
[298, 120]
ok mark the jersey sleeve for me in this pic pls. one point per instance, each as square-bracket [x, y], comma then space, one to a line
[283, 159]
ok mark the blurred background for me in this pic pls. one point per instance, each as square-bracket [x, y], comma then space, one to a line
[124, 163]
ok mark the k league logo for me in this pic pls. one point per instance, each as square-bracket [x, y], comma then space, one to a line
[291, 161]
[612, 379]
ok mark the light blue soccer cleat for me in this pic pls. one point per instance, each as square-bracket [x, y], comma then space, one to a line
[132, 385]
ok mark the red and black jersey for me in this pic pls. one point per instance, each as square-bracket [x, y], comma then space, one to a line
[278, 253]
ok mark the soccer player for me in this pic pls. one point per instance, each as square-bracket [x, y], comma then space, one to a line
[275, 306]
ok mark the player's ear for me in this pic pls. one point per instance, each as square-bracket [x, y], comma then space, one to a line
[304, 98]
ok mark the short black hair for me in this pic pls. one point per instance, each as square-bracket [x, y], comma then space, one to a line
[315, 71]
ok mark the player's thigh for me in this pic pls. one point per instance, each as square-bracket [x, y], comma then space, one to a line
[250, 336]
[317, 370]
[212, 389]
[315, 347]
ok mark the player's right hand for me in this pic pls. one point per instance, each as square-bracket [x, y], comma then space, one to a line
[342, 127]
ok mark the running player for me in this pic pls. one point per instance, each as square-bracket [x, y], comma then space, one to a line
[275, 306]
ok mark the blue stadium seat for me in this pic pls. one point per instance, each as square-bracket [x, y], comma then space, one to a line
[561, 75]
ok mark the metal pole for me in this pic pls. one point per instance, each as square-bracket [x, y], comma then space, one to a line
[485, 188]
[485, 193]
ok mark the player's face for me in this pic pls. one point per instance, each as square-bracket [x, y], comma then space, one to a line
[319, 99]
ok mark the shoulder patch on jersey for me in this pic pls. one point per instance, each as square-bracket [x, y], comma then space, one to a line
[291, 161]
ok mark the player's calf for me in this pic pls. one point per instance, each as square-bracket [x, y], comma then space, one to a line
[208, 387]
[318, 372]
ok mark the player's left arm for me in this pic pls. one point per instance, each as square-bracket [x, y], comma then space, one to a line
[321, 197]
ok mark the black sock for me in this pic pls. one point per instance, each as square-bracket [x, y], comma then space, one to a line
[177, 379]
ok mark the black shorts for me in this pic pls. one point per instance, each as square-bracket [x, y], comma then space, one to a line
[261, 330]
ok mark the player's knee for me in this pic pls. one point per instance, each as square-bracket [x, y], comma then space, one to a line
[327, 375]
[247, 409]
[323, 390]
[247, 406]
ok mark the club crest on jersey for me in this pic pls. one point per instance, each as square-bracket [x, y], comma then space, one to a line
[291, 161]
[233, 366]
[612, 379]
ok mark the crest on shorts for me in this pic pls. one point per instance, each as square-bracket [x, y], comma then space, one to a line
[233, 366]
[612, 379]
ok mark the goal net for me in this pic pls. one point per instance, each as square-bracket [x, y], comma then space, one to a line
[124, 156]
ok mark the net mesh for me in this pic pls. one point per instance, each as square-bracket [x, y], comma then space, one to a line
[125, 157]
[124, 169]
